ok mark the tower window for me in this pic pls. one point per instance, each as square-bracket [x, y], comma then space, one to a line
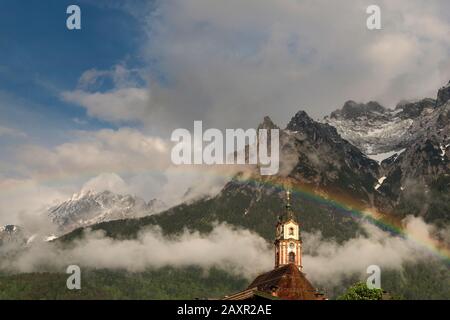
[291, 231]
[291, 257]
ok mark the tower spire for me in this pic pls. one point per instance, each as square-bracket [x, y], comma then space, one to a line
[288, 199]
[288, 205]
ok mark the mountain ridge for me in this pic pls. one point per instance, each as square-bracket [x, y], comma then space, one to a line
[89, 207]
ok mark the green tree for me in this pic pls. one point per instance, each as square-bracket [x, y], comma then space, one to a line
[360, 291]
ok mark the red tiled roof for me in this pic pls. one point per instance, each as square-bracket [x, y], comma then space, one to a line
[286, 282]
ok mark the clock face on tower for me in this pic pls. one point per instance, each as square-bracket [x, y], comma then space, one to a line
[291, 245]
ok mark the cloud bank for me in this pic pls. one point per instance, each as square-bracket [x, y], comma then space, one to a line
[328, 263]
[235, 250]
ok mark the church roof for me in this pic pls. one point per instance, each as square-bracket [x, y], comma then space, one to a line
[286, 282]
[251, 294]
[288, 220]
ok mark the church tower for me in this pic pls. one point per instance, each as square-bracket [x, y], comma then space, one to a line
[288, 243]
[287, 280]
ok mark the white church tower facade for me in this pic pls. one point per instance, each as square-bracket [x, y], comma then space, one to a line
[288, 243]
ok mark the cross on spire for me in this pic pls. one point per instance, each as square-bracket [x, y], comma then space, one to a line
[288, 199]
[288, 204]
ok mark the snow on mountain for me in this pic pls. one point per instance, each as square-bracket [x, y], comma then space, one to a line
[380, 157]
[88, 207]
[50, 238]
[380, 182]
[377, 130]
[411, 145]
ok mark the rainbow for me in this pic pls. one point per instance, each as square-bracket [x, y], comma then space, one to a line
[355, 210]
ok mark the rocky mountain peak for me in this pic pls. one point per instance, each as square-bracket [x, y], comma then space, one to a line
[443, 95]
[380, 131]
[300, 121]
[11, 234]
[352, 109]
[267, 124]
[413, 109]
[10, 228]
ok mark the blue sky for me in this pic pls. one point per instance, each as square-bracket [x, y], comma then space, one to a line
[40, 57]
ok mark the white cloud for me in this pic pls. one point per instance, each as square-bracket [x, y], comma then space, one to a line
[21, 199]
[393, 54]
[106, 182]
[98, 160]
[235, 250]
[327, 263]
[120, 75]
[187, 183]
[120, 105]
[124, 150]
[6, 131]
[79, 121]
[125, 101]
[124, 161]
[91, 77]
